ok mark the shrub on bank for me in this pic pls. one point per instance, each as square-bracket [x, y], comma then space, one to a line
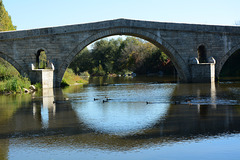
[64, 83]
[71, 78]
[38, 86]
[15, 84]
[85, 74]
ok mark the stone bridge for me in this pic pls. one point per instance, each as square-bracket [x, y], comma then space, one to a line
[192, 48]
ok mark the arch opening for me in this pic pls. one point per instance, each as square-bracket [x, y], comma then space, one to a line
[202, 54]
[41, 59]
[180, 65]
[230, 69]
[117, 56]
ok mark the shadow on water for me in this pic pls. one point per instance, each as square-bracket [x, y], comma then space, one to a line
[175, 113]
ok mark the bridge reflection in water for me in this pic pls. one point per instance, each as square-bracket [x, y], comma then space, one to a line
[192, 111]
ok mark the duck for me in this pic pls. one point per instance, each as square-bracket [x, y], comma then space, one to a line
[65, 99]
[148, 102]
[105, 101]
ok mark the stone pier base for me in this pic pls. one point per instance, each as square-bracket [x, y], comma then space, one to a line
[203, 72]
[43, 76]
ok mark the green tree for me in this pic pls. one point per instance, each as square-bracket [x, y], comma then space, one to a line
[82, 62]
[105, 52]
[5, 19]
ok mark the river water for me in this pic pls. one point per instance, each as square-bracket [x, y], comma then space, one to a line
[123, 118]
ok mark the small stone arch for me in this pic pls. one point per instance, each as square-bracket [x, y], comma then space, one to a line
[38, 52]
[224, 59]
[202, 53]
[177, 60]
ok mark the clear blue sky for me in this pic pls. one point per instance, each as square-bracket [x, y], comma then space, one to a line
[28, 14]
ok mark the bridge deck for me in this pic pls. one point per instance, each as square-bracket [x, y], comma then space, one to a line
[118, 23]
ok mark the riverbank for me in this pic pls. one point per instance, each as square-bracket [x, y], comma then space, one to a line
[10, 79]
[15, 84]
[70, 78]
[18, 84]
[11, 82]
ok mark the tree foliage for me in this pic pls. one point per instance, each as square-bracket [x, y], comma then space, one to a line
[5, 19]
[119, 56]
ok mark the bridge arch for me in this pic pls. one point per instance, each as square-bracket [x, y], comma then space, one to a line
[13, 63]
[178, 62]
[38, 53]
[202, 53]
[224, 59]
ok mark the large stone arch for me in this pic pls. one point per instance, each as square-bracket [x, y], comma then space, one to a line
[13, 63]
[178, 62]
[224, 59]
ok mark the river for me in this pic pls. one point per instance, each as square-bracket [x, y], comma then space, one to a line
[123, 118]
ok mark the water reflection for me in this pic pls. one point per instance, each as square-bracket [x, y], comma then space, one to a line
[120, 119]
[48, 108]
[9, 105]
[175, 113]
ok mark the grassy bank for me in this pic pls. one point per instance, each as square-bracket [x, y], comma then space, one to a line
[15, 84]
[10, 80]
[70, 78]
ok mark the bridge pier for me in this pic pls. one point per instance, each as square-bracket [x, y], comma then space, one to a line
[202, 72]
[43, 76]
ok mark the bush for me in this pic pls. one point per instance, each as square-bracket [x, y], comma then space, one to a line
[16, 84]
[38, 86]
[2, 86]
[85, 74]
[98, 71]
[64, 83]
[71, 78]
[10, 79]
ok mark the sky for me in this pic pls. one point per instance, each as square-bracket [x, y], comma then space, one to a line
[30, 14]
